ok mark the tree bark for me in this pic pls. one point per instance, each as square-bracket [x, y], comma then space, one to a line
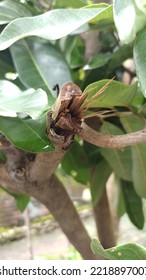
[103, 218]
[106, 229]
[112, 141]
[55, 197]
[30, 174]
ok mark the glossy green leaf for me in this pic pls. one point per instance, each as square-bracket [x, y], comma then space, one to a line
[133, 204]
[140, 59]
[13, 101]
[119, 160]
[99, 176]
[40, 65]
[133, 123]
[96, 61]
[7, 89]
[28, 135]
[10, 10]
[116, 94]
[129, 251]
[74, 50]
[75, 164]
[105, 16]
[129, 19]
[51, 25]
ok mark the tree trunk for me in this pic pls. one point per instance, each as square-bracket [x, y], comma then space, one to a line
[31, 174]
[55, 197]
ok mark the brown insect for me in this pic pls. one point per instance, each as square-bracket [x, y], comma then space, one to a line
[69, 109]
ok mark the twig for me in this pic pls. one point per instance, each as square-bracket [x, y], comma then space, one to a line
[43, 4]
[112, 141]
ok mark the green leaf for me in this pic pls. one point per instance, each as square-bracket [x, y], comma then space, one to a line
[74, 49]
[116, 94]
[105, 16]
[142, 109]
[40, 65]
[133, 123]
[119, 160]
[72, 3]
[13, 101]
[129, 19]
[99, 176]
[120, 55]
[141, 4]
[133, 204]
[51, 25]
[9, 10]
[93, 153]
[129, 251]
[6, 64]
[113, 60]
[26, 134]
[8, 88]
[97, 248]
[140, 59]
[120, 205]
[21, 199]
[97, 61]
[75, 164]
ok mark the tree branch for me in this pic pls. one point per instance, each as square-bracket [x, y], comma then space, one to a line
[112, 141]
[4, 143]
[104, 223]
[7, 182]
[57, 200]
[45, 164]
[43, 4]
[33, 174]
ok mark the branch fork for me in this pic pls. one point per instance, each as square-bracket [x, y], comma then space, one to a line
[67, 119]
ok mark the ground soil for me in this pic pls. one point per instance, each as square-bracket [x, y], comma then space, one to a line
[55, 244]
